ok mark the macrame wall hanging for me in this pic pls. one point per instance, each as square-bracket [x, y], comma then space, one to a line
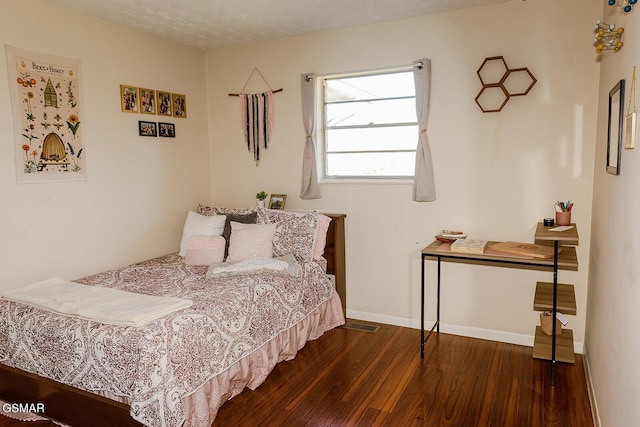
[258, 115]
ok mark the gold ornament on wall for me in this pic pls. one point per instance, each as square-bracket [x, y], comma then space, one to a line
[607, 37]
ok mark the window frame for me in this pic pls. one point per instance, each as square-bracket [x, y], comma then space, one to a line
[321, 114]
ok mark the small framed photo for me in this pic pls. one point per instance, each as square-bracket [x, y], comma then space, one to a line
[164, 103]
[147, 128]
[129, 98]
[277, 201]
[147, 101]
[167, 130]
[179, 104]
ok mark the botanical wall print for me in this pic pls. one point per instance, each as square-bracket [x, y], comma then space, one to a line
[164, 103]
[129, 98]
[147, 101]
[47, 116]
[179, 103]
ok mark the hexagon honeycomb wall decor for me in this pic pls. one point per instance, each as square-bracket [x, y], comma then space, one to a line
[499, 83]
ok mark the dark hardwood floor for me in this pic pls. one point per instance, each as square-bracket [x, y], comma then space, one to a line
[357, 378]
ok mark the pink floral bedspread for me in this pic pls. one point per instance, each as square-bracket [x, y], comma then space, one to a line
[155, 365]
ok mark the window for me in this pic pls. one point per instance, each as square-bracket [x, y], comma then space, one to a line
[370, 129]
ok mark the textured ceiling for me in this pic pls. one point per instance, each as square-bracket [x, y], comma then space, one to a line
[212, 23]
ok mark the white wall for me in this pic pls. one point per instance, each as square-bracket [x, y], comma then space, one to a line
[611, 343]
[497, 174]
[134, 201]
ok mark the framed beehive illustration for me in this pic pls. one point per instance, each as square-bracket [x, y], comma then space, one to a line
[47, 115]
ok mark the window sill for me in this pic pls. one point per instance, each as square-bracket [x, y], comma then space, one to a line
[382, 181]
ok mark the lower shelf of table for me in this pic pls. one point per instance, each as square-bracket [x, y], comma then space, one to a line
[564, 346]
[566, 298]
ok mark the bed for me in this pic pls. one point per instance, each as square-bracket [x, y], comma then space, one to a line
[179, 369]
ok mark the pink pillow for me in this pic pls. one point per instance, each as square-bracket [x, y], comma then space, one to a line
[204, 250]
[321, 236]
[200, 225]
[250, 241]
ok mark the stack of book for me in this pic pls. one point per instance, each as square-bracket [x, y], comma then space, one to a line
[450, 236]
[469, 246]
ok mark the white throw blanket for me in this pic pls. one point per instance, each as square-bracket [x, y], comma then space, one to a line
[251, 265]
[286, 264]
[100, 304]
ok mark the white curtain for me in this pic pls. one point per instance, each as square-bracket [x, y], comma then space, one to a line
[424, 188]
[310, 188]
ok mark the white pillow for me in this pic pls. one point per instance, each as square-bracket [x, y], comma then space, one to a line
[200, 225]
[250, 241]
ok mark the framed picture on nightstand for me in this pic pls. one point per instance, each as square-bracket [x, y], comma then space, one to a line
[277, 201]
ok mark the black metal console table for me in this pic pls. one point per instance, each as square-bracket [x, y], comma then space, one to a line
[564, 258]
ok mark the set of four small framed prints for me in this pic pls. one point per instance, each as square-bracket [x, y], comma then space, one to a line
[150, 101]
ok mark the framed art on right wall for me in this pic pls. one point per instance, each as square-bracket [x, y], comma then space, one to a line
[629, 142]
[630, 131]
[615, 128]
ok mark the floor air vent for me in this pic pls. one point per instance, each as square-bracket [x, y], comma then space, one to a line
[361, 327]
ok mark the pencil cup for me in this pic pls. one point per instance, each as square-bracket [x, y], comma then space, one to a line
[563, 218]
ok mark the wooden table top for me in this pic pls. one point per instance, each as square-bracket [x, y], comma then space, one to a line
[567, 258]
[567, 237]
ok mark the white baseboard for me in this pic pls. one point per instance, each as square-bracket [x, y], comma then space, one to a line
[592, 393]
[466, 331]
